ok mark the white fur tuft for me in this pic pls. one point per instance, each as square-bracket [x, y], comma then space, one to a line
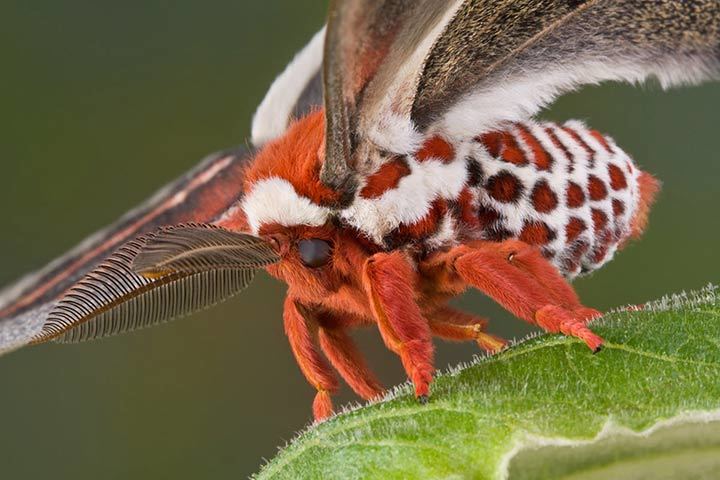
[520, 97]
[392, 132]
[272, 117]
[412, 199]
[274, 200]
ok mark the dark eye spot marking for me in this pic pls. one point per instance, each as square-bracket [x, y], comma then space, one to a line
[314, 252]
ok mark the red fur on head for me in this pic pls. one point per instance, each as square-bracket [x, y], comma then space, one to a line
[296, 157]
[335, 286]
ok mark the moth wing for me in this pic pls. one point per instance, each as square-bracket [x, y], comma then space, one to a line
[205, 192]
[466, 66]
[503, 61]
[199, 196]
[295, 92]
[371, 46]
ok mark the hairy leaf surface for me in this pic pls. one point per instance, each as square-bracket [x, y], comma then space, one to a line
[546, 408]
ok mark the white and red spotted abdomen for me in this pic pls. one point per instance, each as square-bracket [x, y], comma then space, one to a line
[564, 188]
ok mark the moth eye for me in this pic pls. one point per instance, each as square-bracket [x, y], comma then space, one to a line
[314, 252]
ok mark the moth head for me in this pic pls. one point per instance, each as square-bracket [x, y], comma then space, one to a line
[282, 183]
[315, 261]
[286, 202]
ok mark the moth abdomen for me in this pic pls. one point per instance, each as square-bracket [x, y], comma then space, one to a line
[564, 188]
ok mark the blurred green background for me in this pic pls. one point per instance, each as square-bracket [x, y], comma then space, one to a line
[103, 102]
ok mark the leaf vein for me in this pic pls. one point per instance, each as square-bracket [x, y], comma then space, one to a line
[659, 356]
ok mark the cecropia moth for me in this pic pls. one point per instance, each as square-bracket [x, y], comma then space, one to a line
[393, 164]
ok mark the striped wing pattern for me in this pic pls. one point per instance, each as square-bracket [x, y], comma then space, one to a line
[505, 60]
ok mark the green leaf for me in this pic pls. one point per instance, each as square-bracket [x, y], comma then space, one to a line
[546, 408]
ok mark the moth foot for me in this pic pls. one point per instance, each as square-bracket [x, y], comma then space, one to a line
[556, 319]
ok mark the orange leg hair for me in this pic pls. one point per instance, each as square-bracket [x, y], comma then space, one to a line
[300, 328]
[349, 362]
[452, 324]
[389, 281]
[516, 275]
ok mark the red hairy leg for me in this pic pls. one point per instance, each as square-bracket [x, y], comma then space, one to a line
[349, 362]
[389, 281]
[452, 324]
[526, 284]
[299, 328]
[530, 260]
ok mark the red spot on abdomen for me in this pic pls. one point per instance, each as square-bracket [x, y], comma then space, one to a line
[599, 219]
[436, 148]
[548, 253]
[575, 195]
[617, 177]
[543, 198]
[541, 157]
[618, 207]
[600, 252]
[602, 140]
[504, 187]
[578, 139]
[502, 145]
[386, 178]
[492, 141]
[556, 141]
[487, 216]
[574, 228]
[536, 233]
[597, 188]
[491, 226]
[427, 225]
[465, 210]
[574, 257]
